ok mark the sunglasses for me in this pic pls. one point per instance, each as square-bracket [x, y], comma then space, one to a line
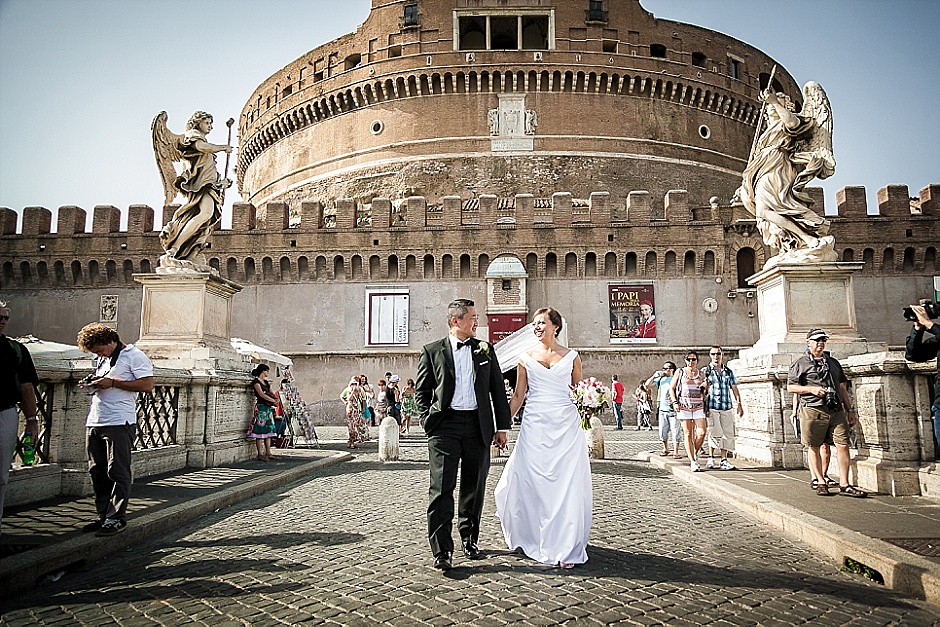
[4, 317]
[691, 358]
[668, 368]
[714, 354]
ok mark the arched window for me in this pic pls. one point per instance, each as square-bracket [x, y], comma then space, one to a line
[447, 267]
[356, 265]
[42, 271]
[26, 274]
[746, 261]
[629, 266]
[411, 267]
[286, 269]
[127, 267]
[267, 270]
[887, 262]
[213, 263]
[532, 265]
[590, 264]
[571, 265]
[464, 266]
[320, 268]
[688, 264]
[907, 265]
[145, 266]
[930, 259]
[303, 269]
[231, 269]
[610, 264]
[93, 278]
[669, 263]
[77, 278]
[649, 265]
[429, 266]
[375, 267]
[658, 51]
[249, 269]
[551, 265]
[848, 255]
[708, 263]
[339, 268]
[868, 258]
[393, 267]
[482, 264]
[8, 278]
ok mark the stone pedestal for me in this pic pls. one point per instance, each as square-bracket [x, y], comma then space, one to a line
[792, 299]
[186, 321]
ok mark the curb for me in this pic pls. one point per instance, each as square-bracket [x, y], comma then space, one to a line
[903, 571]
[19, 572]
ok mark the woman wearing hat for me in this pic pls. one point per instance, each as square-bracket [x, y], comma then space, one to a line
[393, 398]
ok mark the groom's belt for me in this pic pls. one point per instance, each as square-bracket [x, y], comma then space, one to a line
[464, 413]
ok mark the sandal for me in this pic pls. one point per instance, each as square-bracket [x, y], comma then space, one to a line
[565, 565]
[664, 454]
[851, 490]
[822, 490]
[814, 484]
[832, 483]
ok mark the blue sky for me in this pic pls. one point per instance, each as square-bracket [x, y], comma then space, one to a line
[80, 81]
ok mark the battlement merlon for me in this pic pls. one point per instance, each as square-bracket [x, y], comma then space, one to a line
[415, 212]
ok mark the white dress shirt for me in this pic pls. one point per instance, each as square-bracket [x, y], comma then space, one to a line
[465, 397]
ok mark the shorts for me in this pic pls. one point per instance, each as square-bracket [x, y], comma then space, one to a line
[691, 414]
[820, 426]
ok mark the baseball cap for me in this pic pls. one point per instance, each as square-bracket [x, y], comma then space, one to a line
[817, 334]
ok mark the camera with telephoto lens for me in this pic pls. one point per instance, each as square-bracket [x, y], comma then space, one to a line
[832, 399]
[930, 308]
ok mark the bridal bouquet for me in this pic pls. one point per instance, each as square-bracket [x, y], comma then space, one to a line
[590, 396]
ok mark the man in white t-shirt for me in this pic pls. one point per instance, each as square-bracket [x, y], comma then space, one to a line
[121, 372]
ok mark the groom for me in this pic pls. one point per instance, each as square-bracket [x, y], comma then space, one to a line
[459, 392]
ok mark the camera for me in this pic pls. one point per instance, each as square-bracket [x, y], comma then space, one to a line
[832, 399]
[930, 308]
[86, 381]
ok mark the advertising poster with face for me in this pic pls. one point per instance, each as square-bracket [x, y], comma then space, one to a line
[632, 313]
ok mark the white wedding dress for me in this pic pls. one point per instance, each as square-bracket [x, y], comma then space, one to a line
[543, 498]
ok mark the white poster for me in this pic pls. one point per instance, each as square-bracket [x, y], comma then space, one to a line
[386, 316]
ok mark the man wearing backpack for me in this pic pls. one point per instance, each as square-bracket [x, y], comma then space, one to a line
[18, 381]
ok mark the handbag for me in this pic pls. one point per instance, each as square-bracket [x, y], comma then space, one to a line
[367, 412]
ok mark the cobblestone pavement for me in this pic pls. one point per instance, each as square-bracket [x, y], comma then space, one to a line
[347, 547]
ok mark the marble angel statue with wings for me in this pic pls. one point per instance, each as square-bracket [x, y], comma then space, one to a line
[184, 236]
[794, 149]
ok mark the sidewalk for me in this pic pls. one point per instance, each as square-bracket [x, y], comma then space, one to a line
[840, 527]
[898, 537]
[45, 539]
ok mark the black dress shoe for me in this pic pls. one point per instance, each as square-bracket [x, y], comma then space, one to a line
[443, 561]
[471, 550]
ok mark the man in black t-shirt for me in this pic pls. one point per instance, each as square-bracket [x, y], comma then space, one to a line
[18, 381]
[825, 411]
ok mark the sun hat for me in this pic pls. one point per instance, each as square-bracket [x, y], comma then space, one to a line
[817, 334]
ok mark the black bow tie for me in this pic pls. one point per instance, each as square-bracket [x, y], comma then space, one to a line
[462, 344]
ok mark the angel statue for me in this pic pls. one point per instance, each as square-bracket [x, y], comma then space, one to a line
[184, 236]
[794, 149]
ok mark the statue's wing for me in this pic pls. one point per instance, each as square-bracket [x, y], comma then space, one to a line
[819, 141]
[165, 149]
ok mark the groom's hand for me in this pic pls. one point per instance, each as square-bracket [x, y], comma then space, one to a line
[500, 438]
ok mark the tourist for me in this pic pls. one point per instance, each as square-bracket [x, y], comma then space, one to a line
[825, 410]
[120, 373]
[263, 425]
[355, 401]
[668, 421]
[409, 408]
[688, 396]
[643, 410]
[923, 344]
[617, 388]
[17, 387]
[722, 385]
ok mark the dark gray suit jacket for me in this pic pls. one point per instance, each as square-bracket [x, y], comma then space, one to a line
[434, 387]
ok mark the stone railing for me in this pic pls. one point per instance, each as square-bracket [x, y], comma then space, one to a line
[892, 445]
[190, 419]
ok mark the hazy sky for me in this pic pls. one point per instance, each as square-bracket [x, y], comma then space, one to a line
[80, 81]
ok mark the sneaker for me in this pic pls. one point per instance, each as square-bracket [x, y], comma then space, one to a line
[726, 465]
[710, 463]
[111, 527]
[93, 526]
[695, 466]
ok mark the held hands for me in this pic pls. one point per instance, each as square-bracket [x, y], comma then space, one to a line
[499, 439]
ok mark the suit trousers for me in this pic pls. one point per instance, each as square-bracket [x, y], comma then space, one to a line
[109, 464]
[456, 441]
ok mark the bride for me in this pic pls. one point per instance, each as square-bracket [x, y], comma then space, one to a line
[543, 498]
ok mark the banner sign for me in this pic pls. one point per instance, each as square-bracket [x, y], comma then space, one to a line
[632, 313]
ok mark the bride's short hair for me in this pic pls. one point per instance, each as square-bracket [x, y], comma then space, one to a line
[553, 315]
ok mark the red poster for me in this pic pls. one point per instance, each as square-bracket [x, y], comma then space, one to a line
[632, 313]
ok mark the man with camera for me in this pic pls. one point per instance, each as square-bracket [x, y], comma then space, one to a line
[121, 372]
[825, 410]
[923, 344]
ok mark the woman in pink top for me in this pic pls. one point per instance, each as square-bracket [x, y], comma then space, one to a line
[688, 393]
